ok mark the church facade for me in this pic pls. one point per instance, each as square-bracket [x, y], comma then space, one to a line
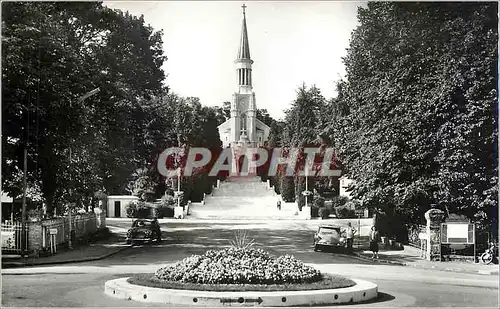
[243, 129]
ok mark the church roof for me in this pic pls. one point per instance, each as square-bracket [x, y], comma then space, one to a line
[244, 49]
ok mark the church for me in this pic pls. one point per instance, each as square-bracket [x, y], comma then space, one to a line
[243, 129]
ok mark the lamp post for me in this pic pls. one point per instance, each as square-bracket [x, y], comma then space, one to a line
[306, 186]
[179, 186]
[70, 208]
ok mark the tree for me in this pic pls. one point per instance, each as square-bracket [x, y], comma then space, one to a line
[420, 91]
[56, 52]
[263, 115]
[223, 113]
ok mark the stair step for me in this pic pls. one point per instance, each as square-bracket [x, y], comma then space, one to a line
[243, 198]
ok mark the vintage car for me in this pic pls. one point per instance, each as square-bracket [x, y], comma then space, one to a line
[329, 236]
[144, 230]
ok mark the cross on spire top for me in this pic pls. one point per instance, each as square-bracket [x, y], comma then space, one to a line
[244, 7]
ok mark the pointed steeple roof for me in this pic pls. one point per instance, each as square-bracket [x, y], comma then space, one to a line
[244, 49]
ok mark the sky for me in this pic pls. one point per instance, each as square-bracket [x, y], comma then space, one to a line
[291, 43]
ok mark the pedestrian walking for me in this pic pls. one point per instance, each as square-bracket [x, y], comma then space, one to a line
[374, 240]
[278, 204]
[349, 235]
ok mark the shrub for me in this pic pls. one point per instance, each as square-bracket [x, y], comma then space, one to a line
[169, 192]
[339, 201]
[344, 212]
[288, 189]
[323, 212]
[319, 201]
[168, 200]
[132, 209]
[166, 206]
[238, 266]
[143, 210]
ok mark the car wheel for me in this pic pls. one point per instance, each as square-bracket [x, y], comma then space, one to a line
[316, 248]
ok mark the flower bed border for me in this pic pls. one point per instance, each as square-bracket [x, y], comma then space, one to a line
[329, 282]
[363, 291]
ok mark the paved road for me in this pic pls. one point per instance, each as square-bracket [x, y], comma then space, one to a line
[81, 284]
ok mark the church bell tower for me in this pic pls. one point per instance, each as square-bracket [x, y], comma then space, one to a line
[243, 130]
[243, 107]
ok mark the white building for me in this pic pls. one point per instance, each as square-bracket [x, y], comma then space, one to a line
[243, 129]
[117, 205]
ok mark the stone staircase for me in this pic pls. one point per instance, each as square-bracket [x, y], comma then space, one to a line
[242, 198]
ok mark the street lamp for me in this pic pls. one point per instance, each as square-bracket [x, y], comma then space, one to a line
[307, 191]
[80, 99]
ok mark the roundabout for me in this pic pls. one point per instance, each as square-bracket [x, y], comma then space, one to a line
[241, 276]
[361, 292]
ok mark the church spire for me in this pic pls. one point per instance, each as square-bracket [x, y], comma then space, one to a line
[244, 49]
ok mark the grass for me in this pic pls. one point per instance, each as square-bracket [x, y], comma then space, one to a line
[328, 282]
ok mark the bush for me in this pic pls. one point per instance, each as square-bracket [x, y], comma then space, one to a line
[169, 192]
[323, 212]
[166, 206]
[319, 201]
[339, 201]
[288, 190]
[239, 266]
[143, 210]
[132, 209]
[344, 212]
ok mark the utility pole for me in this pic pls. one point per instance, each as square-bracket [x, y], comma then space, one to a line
[70, 208]
[23, 211]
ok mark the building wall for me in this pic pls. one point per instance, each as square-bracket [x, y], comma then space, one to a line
[82, 225]
[124, 201]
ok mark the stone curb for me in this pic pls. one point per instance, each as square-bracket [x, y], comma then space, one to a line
[448, 269]
[363, 291]
[39, 263]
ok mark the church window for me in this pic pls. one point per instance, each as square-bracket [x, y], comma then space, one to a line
[243, 121]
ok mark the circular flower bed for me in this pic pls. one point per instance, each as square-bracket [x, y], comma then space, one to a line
[239, 266]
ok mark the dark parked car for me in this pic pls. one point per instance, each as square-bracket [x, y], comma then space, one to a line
[144, 230]
[329, 236]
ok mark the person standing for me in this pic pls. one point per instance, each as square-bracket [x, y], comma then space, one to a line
[374, 240]
[349, 236]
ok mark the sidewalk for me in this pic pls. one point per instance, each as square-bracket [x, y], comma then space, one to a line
[90, 252]
[410, 256]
